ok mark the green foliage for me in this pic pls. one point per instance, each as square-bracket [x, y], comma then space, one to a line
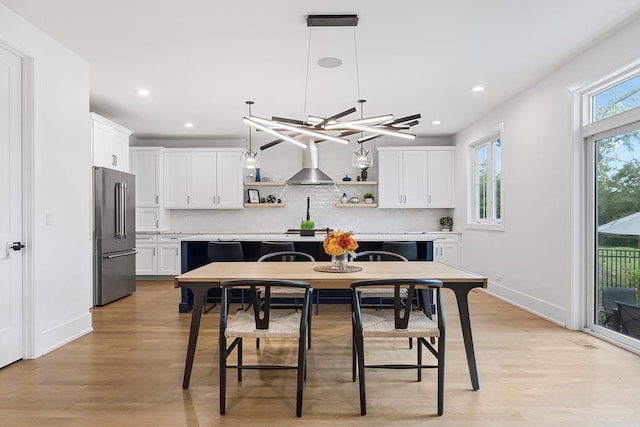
[368, 196]
[446, 221]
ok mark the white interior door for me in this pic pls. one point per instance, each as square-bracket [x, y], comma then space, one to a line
[11, 339]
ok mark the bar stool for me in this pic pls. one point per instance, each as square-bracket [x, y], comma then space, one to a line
[223, 252]
[409, 250]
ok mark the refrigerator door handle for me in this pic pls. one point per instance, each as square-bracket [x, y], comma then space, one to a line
[121, 213]
[133, 252]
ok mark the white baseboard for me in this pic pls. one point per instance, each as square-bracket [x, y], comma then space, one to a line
[551, 312]
[53, 338]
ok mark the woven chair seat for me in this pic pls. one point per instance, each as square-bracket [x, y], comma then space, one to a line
[286, 292]
[376, 323]
[282, 324]
[381, 293]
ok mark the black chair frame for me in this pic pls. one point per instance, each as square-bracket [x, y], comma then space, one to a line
[261, 305]
[401, 318]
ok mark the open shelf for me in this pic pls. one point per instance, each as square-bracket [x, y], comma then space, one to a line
[267, 183]
[356, 182]
[264, 205]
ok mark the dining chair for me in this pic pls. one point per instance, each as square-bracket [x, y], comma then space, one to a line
[609, 297]
[289, 293]
[379, 294]
[400, 322]
[629, 317]
[223, 252]
[260, 321]
[268, 247]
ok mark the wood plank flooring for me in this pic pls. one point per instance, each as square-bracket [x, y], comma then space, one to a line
[128, 372]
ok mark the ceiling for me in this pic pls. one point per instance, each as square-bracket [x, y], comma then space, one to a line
[202, 59]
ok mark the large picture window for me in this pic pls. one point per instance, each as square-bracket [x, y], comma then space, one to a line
[486, 198]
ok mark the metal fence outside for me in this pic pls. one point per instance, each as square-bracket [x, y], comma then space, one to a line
[618, 267]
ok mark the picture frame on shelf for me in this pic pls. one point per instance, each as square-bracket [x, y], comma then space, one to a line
[253, 195]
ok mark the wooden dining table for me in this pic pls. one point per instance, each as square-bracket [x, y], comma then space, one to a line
[202, 279]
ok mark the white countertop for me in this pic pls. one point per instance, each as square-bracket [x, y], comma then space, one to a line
[319, 237]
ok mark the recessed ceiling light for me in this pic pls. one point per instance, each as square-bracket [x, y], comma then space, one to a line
[144, 92]
[435, 122]
[188, 125]
[478, 89]
[329, 62]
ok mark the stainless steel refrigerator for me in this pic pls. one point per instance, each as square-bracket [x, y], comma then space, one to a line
[114, 240]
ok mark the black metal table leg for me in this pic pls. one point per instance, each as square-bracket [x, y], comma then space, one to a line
[461, 290]
[199, 292]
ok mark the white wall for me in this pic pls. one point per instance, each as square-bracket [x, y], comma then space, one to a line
[58, 164]
[534, 253]
[281, 162]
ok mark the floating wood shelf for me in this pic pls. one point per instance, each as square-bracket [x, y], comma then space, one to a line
[356, 205]
[264, 205]
[267, 183]
[356, 182]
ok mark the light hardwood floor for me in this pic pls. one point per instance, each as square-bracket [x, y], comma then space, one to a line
[128, 372]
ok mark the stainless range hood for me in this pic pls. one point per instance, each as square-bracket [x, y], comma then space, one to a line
[310, 174]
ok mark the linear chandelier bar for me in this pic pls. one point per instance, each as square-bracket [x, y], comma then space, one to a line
[383, 131]
[300, 129]
[364, 121]
[273, 132]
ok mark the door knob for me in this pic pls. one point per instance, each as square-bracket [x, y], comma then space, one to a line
[16, 246]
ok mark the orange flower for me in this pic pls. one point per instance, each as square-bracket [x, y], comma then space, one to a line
[340, 242]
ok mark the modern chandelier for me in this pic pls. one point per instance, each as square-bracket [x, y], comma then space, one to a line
[335, 128]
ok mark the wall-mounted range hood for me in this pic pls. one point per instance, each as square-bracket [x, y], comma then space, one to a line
[310, 174]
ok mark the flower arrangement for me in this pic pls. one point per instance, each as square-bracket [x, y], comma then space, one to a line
[340, 243]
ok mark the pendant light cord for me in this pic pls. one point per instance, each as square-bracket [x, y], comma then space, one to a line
[306, 82]
[355, 48]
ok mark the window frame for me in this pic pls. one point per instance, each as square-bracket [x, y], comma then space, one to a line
[473, 220]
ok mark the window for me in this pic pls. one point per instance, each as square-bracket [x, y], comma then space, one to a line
[615, 99]
[486, 199]
[611, 143]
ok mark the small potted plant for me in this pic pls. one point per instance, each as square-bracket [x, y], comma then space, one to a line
[368, 198]
[446, 222]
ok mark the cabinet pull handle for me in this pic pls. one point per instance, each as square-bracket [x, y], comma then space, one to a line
[157, 199]
[114, 160]
[157, 223]
[154, 251]
[429, 198]
[188, 200]
[218, 199]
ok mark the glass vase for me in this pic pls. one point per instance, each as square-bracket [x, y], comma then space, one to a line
[339, 262]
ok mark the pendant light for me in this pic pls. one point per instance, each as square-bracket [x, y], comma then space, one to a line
[362, 158]
[249, 157]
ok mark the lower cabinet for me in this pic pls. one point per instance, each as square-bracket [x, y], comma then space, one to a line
[158, 255]
[445, 250]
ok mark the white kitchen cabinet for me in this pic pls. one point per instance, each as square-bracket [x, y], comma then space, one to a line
[202, 179]
[446, 250]
[440, 173]
[415, 177]
[168, 255]
[158, 255]
[146, 256]
[146, 164]
[151, 219]
[109, 144]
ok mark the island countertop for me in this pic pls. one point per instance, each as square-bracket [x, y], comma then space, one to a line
[319, 236]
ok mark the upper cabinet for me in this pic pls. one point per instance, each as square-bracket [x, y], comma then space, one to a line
[202, 179]
[416, 177]
[110, 143]
[146, 164]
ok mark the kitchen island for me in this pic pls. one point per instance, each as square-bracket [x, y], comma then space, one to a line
[194, 251]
